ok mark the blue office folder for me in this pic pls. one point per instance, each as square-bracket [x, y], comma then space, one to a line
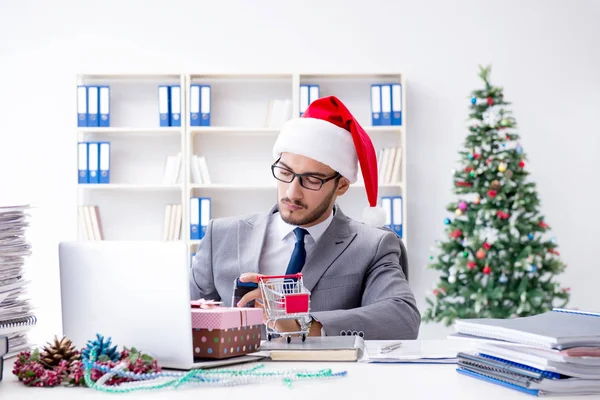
[104, 106]
[386, 204]
[375, 105]
[82, 106]
[194, 105]
[397, 215]
[205, 215]
[304, 98]
[386, 104]
[82, 163]
[175, 112]
[313, 93]
[164, 105]
[104, 162]
[205, 105]
[93, 162]
[93, 97]
[396, 104]
[194, 218]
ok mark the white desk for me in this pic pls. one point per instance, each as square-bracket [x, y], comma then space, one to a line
[364, 381]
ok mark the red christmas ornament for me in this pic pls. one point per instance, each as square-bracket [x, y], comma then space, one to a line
[507, 136]
[455, 234]
[471, 265]
[480, 254]
[468, 169]
[487, 270]
[490, 101]
[543, 225]
[554, 251]
[486, 246]
[492, 193]
[502, 214]
[476, 156]
[522, 164]
[464, 184]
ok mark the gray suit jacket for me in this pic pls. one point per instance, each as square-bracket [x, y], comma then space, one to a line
[356, 282]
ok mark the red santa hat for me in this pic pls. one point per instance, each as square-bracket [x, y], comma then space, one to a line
[327, 132]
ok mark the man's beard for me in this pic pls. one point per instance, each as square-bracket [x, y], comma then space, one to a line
[313, 216]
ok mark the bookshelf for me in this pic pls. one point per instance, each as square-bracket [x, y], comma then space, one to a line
[236, 146]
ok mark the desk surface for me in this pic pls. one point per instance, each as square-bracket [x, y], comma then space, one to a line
[364, 381]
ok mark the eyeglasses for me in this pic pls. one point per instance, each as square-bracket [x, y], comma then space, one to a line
[307, 181]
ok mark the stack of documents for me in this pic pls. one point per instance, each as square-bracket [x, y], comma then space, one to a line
[416, 351]
[554, 353]
[16, 314]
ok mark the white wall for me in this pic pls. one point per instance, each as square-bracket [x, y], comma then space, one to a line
[543, 52]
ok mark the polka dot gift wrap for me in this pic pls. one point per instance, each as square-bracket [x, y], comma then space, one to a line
[223, 332]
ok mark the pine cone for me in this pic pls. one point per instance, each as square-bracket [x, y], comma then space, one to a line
[54, 353]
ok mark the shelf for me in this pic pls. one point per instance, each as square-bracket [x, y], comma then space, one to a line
[131, 131]
[195, 130]
[274, 186]
[127, 186]
[388, 128]
[198, 130]
[233, 186]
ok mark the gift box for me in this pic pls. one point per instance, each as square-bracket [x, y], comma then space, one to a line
[223, 332]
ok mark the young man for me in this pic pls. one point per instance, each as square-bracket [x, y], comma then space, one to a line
[351, 268]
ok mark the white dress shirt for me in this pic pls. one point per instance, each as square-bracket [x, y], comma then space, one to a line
[280, 242]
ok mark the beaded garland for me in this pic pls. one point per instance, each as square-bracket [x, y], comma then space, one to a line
[212, 377]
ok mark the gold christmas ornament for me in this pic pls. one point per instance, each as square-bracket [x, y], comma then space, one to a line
[502, 167]
[495, 185]
[458, 211]
[477, 200]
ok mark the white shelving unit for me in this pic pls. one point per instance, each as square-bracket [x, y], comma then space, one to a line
[237, 147]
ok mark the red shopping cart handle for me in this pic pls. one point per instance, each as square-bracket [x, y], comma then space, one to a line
[267, 277]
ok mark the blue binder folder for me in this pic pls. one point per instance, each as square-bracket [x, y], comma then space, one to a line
[205, 105]
[104, 162]
[175, 98]
[396, 104]
[104, 105]
[82, 106]
[376, 105]
[82, 163]
[164, 105]
[92, 105]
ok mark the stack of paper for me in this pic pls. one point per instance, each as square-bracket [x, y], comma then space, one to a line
[554, 353]
[16, 314]
[416, 351]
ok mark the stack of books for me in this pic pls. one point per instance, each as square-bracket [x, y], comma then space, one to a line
[16, 313]
[553, 353]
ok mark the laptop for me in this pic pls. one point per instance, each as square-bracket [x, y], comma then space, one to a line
[137, 293]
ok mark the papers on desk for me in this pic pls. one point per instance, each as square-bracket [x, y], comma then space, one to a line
[555, 353]
[416, 351]
[16, 314]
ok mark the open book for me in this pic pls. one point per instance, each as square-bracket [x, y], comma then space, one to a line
[318, 348]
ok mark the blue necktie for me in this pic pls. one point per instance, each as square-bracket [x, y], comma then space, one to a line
[299, 254]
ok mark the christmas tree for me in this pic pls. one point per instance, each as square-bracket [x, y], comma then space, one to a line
[497, 259]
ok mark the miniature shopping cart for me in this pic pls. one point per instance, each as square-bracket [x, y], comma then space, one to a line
[285, 297]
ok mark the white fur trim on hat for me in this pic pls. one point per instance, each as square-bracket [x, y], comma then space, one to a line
[322, 141]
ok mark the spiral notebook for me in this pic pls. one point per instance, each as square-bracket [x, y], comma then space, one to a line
[557, 329]
[15, 330]
[3, 351]
[522, 377]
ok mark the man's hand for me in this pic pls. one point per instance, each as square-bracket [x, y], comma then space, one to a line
[255, 294]
[286, 325]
